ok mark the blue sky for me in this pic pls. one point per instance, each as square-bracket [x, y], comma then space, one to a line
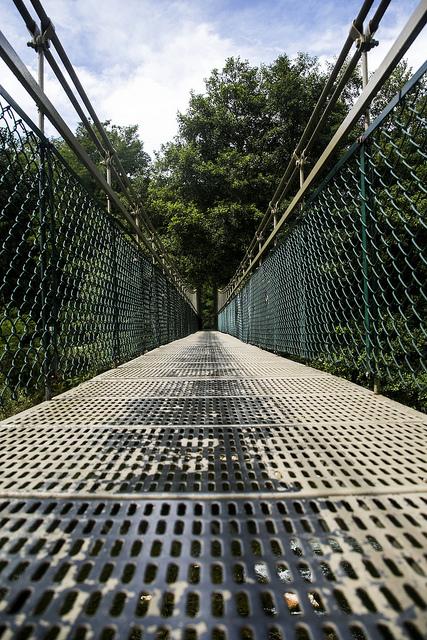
[139, 59]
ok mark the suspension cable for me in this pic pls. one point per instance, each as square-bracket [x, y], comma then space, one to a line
[411, 30]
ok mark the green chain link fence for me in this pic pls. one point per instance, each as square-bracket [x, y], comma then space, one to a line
[77, 293]
[345, 286]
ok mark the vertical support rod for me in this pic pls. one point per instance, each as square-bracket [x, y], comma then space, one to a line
[143, 317]
[158, 324]
[215, 305]
[43, 235]
[53, 270]
[44, 268]
[168, 310]
[137, 224]
[365, 78]
[142, 343]
[301, 172]
[365, 263]
[116, 333]
[364, 212]
[150, 321]
[303, 292]
[275, 225]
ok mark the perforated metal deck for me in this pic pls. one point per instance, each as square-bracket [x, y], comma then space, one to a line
[211, 490]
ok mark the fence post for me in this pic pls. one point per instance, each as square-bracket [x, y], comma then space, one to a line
[44, 271]
[116, 334]
[367, 42]
[143, 343]
[48, 298]
[155, 311]
[53, 271]
[365, 258]
[303, 292]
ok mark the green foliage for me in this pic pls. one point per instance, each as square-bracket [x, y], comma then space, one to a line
[130, 151]
[211, 185]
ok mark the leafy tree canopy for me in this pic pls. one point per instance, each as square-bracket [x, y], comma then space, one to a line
[211, 185]
[129, 148]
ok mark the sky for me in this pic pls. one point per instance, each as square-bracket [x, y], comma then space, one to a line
[139, 59]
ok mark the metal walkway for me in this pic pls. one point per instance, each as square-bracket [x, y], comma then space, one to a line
[209, 489]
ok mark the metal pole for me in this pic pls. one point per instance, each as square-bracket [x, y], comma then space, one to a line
[137, 225]
[44, 282]
[365, 264]
[44, 286]
[40, 78]
[116, 328]
[274, 226]
[364, 188]
[301, 171]
[108, 177]
[54, 304]
[365, 78]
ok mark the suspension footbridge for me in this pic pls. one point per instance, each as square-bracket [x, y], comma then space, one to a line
[162, 482]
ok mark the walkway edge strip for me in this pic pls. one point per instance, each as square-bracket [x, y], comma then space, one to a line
[255, 495]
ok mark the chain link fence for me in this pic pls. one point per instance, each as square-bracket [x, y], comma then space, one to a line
[345, 286]
[77, 293]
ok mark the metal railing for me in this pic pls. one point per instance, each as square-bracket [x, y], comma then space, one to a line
[128, 206]
[344, 287]
[78, 293]
[283, 203]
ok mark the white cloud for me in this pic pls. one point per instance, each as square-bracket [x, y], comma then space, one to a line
[155, 89]
[139, 59]
[140, 65]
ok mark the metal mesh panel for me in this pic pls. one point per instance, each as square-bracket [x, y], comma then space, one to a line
[77, 294]
[345, 287]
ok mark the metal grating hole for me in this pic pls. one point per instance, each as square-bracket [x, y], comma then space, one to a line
[200, 411]
[201, 371]
[144, 388]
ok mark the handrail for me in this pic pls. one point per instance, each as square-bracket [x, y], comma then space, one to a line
[408, 34]
[314, 124]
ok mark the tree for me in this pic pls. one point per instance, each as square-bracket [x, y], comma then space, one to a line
[130, 151]
[211, 185]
